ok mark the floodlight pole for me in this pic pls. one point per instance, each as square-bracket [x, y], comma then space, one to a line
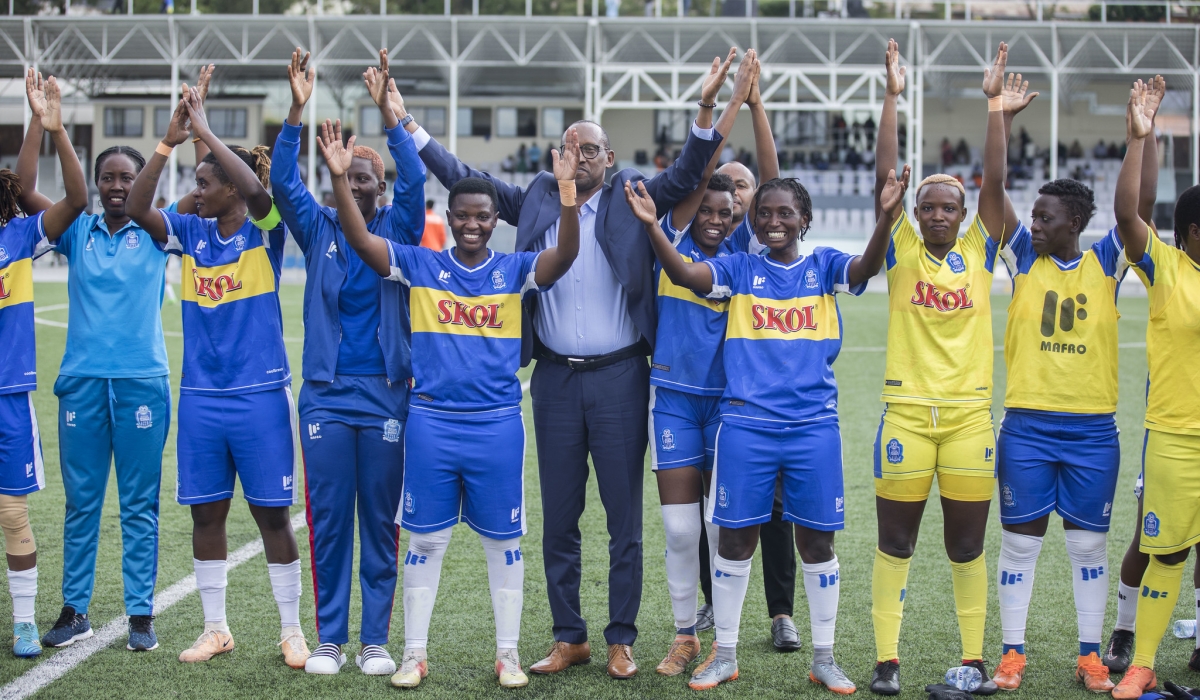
[452, 136]
[173, 159]
[1054, 90]
[1195, 105]
[312, 110]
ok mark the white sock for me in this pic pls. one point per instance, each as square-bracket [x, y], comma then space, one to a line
[506, 577]
[422, 572]
[1018, 559]
[823, 586]
[1198, 616]
[1126, 607]
[1088, 552]
[285, 584]
[713, 533]
[211, 581]
[682, 525]
[730, 580]
[22, 586]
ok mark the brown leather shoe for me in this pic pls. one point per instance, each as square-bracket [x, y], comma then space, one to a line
[620, 661]
[561, 657]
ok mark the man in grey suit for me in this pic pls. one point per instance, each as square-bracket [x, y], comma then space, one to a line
[591, 334]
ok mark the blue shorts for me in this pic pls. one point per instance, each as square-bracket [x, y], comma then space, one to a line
[249, 436]
[21, 468]
[684, 428]
[464, 466]
[1055, 461]
[749, 457]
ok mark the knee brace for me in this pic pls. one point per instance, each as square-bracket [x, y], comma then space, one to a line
[14, 520]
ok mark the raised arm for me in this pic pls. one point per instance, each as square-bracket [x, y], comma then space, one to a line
[887, 138]
[995, 146]
[297, 206]
[31, 200]
[764, 141]
[695, 276]
[405, 221]
[62, 213]
[745, 78]
[891, 196]
[371, 248]
[258, 200]
[1149, 192]
[1131, 228]
[139, 203]
[553, 263]
[187, 203]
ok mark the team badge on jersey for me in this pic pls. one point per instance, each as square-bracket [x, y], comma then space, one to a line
[132, 240]
[895, 451]
[668, 440]
[143, 417]
[497, 279]
[722, 496]
[1006, 496]
[239, 242]
[3, 255]
[955, 261]
[810, 279]
[410, 503]
[391, 430]
[1150, 524]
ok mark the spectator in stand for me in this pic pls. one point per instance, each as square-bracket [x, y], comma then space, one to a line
[853, 159]
[869, 132]
[522, 159]
[1115, 151]
[1100, 151]
[1025, 142]
[1076, 150]
[434, 236]
[547, 159]
[962, 153]
[508, 165]
[947, 154]
[535, 157]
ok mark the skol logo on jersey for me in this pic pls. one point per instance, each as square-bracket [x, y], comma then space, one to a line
[248, 276]
[16, 283]
[442, 311]
[784, 320]
[214, 288]
[929, 296]
[472, 316]
[5, 292]
[1150, 524]
[391, 430]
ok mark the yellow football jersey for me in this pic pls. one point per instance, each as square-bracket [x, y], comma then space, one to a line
[1061, 341]
[939, 349]
[1172, 338]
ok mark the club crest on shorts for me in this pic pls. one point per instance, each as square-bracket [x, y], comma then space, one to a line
[1150, 524]
[391, 430]
[1007, 497]
[810, 279]
[497, 279]
[239, 242]
[287, 482]
[839, 504]
[132, 240]
[955, 261]
[668, 440]
[516, 515]
[143, 417]
[722, 496]
[895, 451]
[410, 503]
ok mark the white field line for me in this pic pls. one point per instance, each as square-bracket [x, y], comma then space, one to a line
[998, 348]
[60, 324]
[63, 661]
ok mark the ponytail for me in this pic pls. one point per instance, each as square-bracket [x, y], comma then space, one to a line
[10, 192]
[257, 160]
[262, 165]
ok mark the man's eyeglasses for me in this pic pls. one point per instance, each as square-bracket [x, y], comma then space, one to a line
[588, 150]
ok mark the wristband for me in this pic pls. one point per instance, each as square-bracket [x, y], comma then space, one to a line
[566, 192]
[163, 149]
[711, 106]
[996, 104]
[196, 140]
[406, 120]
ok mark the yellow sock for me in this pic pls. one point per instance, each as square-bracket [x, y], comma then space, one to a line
[970, 603]
[1156, 603]
[888, 581]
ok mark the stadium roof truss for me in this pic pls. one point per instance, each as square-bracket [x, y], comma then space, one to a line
[621, 63]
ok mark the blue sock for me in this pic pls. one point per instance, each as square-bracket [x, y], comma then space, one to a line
[1020, 648]
[686, 630]
[1086, 648]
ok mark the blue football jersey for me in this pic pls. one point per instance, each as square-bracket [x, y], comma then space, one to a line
[232, 324]
[466, 325]
[783, 334]
[21, 240]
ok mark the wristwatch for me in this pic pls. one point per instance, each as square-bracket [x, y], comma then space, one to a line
[406, 120]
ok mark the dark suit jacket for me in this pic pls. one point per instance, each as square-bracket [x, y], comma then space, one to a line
[620, 234]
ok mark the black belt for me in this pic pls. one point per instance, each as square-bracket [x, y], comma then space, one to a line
[587, 363]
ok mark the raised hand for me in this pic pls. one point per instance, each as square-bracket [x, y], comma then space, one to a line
[1138, 124]
[641, 203]
[195, 112]
[35, 90]
[746, 79]
[1156, 91]
[895, 71]
[337, 156]
[301, 78]
[566, 163]
[52, 117]
[716, 77]
[180, 125]
[754, 97]
[202, 82]
[993, 78]
[1016, 94]
[377, 85]
[396, 99]
[891, 197]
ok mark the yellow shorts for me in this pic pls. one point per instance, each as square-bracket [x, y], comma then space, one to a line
[916, 443]
[1170, 493]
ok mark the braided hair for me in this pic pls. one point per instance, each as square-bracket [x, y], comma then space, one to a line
[1187, 212]
[133, 154]
[257, 159]
[799, 194]
[1075, 196]
[10, 191]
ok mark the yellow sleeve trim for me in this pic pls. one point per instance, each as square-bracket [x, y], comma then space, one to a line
[271, 220]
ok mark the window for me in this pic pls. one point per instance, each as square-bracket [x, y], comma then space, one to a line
[801, 128]
[555, 121]
[432, 119]
[228, 122]
[371, 121]
[513, 121]
[162, 119]
[123, 121]
[474, 121]
[671, 125]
